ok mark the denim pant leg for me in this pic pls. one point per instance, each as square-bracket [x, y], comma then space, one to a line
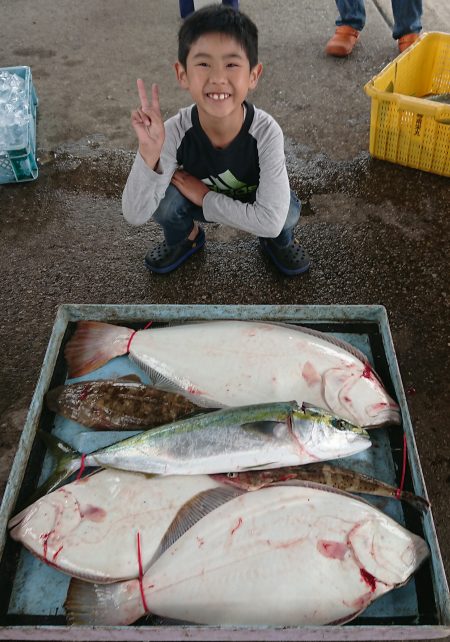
[407, 17]
[287, 233]
[176, 215]
[352, 13]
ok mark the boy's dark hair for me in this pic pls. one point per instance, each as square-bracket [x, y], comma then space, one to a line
[219, 18]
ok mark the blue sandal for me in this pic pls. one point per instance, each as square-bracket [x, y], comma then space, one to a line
[163, 258]
[291, 259]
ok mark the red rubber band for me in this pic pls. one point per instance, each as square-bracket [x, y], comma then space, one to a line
[141, 574]
[402, 479]
[132, 335]
[81, 471]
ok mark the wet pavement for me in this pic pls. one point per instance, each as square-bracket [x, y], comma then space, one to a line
[378, 233]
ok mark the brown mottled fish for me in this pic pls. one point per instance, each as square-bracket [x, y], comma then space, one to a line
[341, 478]
[118, 404]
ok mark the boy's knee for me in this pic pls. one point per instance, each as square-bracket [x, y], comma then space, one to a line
[170, 206]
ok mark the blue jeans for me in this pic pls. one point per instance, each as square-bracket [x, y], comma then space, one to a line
[176, 215]
[187, 6]
[407, 15]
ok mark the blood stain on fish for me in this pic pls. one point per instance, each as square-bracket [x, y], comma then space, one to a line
[45, 537]
[367, 372]
[332, 549]
[238, 525]
[200, 541]
[55, 555]
[92, 513]
[84, 392]
[369, 579]
[310, 374]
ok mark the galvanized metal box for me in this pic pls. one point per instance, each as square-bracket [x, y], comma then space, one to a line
[32, 594]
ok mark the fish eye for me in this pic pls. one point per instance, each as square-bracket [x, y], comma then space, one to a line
[232, 475]
[340, 424]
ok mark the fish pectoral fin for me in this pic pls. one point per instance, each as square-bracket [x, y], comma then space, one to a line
[192, 511]
[133, 378]
[266, 428]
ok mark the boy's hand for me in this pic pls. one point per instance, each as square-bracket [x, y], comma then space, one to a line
[192, 188]
[148, 125]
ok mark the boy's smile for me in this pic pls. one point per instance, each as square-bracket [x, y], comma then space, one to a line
[218, 77]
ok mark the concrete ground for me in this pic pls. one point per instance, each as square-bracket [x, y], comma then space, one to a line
[377, 232]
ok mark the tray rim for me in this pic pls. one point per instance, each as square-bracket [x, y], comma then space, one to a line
[377, 314]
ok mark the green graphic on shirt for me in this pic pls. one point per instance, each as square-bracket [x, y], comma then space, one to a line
[228, 184]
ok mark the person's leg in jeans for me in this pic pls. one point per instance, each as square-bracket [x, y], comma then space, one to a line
[351, 13]
[176, 215]
[407, 21]
[352, 18]
[285, 252]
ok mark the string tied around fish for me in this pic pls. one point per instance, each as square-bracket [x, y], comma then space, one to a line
[141, 573]
[132, 335]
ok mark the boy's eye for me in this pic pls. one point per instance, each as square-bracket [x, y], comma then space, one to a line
[202, 64]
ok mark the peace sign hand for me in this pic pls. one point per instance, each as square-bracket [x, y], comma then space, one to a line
[148, 125]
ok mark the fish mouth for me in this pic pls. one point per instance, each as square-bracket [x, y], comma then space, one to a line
[389, 416]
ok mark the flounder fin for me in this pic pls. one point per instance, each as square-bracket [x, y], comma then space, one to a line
[340, 343]
[93, 344]
[157, 379]
[162, 382]
[133, 378]
[192, 512]
[347, 618]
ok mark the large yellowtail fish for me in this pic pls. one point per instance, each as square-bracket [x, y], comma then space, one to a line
[279, 556]
[235, 363]
[228, 440]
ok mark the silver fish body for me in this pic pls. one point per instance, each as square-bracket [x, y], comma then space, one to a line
[235, 439]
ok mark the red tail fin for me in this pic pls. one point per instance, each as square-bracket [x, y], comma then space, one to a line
[94, 344]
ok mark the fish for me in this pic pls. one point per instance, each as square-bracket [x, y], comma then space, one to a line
[232, 439]
[118, 404]
[289, 555]
[321, 473]
[88, 528]
[236, 363]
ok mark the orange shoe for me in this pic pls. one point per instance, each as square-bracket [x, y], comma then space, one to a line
[343, 41]
[405, 41]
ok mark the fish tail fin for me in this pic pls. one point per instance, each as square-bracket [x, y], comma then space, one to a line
[418, 502]
[93, 344]
[67, 461]
[103, 604]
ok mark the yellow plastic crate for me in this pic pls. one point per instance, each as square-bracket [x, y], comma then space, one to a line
[405, 127]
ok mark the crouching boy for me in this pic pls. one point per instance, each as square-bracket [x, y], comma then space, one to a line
[220, 160]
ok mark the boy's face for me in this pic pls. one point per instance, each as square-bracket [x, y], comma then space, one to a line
[218, 75]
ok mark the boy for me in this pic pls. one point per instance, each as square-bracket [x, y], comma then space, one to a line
[231, 153]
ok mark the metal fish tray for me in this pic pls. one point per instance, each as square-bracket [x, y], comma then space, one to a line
[32, 594]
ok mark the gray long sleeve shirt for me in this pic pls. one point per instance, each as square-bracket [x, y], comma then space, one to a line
[248, 181]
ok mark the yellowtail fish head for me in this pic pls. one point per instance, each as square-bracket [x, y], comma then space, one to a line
[326, 436]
